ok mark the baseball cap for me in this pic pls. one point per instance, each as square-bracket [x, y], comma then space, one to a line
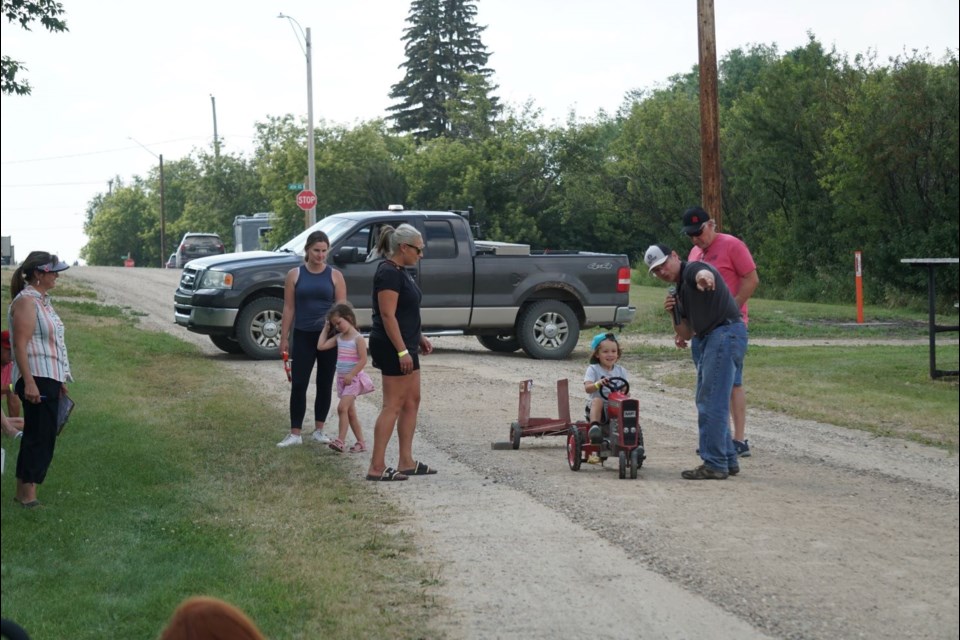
[5, 339]
[53, 267]
[655, 256]
[693, 219]
[600, 337]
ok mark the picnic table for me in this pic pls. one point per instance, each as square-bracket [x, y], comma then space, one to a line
[930, 265]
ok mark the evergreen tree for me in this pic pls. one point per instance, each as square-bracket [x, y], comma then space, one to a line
[446, 88]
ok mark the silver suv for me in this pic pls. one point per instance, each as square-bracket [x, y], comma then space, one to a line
[198, 245]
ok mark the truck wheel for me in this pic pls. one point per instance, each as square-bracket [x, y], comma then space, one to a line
[227, 343]
[258, 328]
[548, 330]
[500, 344]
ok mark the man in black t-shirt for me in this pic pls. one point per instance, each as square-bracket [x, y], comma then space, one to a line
[702, 306]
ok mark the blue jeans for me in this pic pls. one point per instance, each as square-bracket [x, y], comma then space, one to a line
[720, 358]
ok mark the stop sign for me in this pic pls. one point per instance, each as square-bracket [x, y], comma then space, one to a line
[306, 200]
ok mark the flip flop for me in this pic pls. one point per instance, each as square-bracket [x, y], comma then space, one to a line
[420, 470]
[388, 475]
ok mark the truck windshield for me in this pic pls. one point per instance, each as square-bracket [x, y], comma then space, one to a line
[333, 226]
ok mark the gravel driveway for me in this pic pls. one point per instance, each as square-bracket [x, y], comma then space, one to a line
[826, 533]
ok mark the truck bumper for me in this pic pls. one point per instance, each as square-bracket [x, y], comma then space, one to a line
[625, 315]
[205, 319]
[607, 317]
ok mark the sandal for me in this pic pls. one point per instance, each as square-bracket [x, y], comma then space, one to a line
[387, 475]
[358, 447]
[337, 445]
[419, 470]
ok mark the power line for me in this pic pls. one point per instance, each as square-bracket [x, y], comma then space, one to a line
[224, 137]
[95, 153]
[49, 184]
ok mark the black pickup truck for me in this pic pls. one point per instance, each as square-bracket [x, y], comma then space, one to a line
[502, 293]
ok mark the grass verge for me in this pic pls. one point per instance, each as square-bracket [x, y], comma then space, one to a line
[885, 390]
[161, 488]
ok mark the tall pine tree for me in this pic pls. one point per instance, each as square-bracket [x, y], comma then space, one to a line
[446, 89]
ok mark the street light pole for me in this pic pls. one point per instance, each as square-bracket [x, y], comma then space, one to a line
[163, 224]
[311, 163]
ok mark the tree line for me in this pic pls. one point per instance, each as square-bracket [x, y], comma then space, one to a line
[821, 155]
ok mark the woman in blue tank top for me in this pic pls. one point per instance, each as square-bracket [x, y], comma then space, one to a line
[308, 293]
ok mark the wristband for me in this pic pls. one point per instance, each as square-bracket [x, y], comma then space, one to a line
[597, 384]
[400, 354]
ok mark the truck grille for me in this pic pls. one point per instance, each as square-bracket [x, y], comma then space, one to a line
[189, 279]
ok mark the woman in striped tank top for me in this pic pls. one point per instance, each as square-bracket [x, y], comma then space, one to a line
[41, 368]
[341, 332]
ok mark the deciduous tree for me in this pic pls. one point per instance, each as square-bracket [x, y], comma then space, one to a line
[47, 13]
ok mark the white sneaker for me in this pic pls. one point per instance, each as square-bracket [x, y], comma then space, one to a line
[321, 437]
[290, 440]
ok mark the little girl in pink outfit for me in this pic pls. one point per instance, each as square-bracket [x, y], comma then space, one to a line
[341, 331]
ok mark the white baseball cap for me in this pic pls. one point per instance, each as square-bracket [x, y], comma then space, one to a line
[655, 256]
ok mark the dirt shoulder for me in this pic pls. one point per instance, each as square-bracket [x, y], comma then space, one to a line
[826, 532]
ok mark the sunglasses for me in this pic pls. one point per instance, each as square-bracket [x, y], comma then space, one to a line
[419, 250]
[698, 232]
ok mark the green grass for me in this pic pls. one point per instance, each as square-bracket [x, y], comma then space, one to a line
[808, 320]
[886, 390]
[166, 484]
[883, 390]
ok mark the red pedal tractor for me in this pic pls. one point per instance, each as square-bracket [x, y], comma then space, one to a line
[621, 435]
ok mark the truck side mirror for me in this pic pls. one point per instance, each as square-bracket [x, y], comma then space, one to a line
[347, 255]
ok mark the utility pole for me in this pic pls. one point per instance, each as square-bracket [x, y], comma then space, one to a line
[710, 176]
[307, 48]
[163, 223]
[216, 140]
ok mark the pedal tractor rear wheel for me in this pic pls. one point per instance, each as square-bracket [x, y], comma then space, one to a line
[574, 448]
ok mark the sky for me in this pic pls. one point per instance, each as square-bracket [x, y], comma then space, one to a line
[134, 80]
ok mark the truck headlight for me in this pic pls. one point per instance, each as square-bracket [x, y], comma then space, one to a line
[216, 280]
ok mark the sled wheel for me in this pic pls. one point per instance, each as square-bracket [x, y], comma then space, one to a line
[516, 431]
[623, 465]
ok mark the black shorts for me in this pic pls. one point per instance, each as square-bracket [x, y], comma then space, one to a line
[384, 356]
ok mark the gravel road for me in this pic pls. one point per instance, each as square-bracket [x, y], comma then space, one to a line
[826, 533]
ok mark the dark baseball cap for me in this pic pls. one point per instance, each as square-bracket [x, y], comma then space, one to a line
[693, 219]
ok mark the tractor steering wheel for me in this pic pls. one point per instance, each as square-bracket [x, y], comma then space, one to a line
[614, 384]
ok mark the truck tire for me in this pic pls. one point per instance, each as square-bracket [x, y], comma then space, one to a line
[258, 328]
[500, 344]
[548, 330]
[227, 344]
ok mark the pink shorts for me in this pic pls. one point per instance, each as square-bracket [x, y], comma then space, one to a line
[361, 384]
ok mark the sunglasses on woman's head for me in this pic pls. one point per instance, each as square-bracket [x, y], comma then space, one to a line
[419, 250]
